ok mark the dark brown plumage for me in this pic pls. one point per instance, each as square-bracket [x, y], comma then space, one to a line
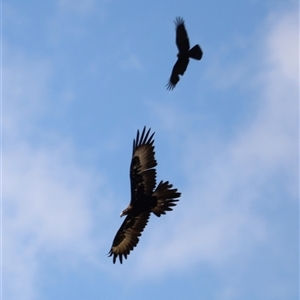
[184, 54]
[144, 197]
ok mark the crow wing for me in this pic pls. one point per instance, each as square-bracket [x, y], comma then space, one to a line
[182, 39]
[127, 236]
[142, 172]
[178, 69]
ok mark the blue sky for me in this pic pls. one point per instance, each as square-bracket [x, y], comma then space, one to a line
[80, 78]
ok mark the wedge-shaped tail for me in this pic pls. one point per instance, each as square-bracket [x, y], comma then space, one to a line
[196, 52]
[166, 198]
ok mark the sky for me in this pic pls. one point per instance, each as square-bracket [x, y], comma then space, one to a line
[79, 78]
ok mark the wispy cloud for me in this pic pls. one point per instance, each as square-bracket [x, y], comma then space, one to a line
[46, 195]
[46, 211]
[132, 62]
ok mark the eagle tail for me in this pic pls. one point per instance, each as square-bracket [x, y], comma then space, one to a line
[166, 198]
[196, 52]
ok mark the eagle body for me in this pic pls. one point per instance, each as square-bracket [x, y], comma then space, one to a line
[146, 198]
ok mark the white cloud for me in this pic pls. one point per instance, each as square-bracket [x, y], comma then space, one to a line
[24, 82]
[46, 195]
[283, 47]
[217, 220]
[45, 211]
[132, 62]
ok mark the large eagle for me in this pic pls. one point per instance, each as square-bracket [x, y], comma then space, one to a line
[184, 54]
[145, 198]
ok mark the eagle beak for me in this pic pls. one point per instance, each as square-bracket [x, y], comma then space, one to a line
[124, 212]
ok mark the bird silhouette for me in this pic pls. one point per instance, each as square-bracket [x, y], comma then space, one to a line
[184, 54]
[145, 198]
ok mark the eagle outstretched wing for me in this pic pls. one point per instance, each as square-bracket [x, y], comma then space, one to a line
[142, 172]
[127, 236]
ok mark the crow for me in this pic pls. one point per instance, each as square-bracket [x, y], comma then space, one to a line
[184, 54]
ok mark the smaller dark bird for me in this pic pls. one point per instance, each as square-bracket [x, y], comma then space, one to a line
[184, 54]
